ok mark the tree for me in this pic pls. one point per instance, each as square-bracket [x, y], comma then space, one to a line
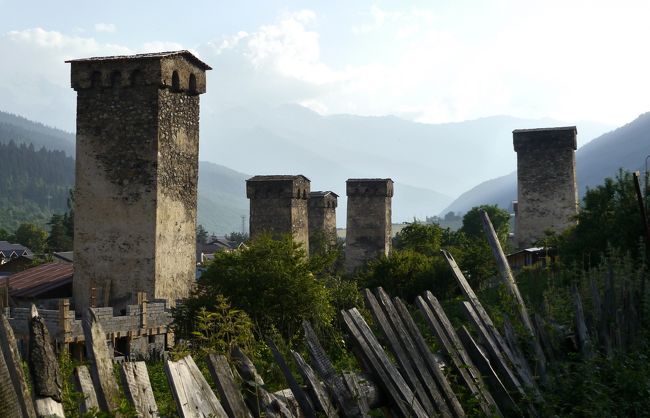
[473, 224]
[32, 237]
[201, 235]
[271, 281]
[422, 238]
[59, 238]
[237, 237]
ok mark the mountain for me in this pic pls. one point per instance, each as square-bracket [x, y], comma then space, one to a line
[428, 162]
[22, 131]
[625, 147]
[222, 199]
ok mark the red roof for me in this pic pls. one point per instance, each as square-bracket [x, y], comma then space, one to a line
[37, 280]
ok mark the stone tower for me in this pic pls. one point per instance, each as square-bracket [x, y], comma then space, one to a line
[322, 218]
[136, 176]
[547, 195]
[368, 230]
[279, 206]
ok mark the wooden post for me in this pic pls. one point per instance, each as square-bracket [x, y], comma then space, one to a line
[14, 394]
[64, 324]
[44, 369]
[84, 385]
[101, 362]
[229, 393]
[318, 394]
[142, 301]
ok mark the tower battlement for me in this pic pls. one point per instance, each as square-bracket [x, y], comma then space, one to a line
[369, 187]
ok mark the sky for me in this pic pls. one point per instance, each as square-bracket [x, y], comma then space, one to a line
[427, 61]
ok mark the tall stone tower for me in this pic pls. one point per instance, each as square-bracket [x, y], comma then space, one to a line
[322, 218]
[368, 230]
[279, 206]
[547, 195]
[136, 176]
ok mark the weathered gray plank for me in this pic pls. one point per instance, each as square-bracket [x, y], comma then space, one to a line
[84, 384]
[319, 396]
[498, 389]
[8, 397]
[522, 370]
[137, 388]
[229, 393]
[261, 403]
[301, 397]
[428, 360]
[44, 369]
[582, 334]
[101, 363]
[404, 400]
[192, 394]
[454, 349]
[348, 405]
[509, 280]
[9, 349]
[395, 338]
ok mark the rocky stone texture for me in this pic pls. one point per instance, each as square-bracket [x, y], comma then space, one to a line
[322, 218]
[368, 230]
[547, 195]
[136, 176]
[278, 205]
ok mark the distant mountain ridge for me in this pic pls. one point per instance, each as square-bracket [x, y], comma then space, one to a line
[625, 147]
[23, 131]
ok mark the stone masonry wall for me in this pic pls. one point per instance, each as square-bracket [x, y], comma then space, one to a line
[546, 182]
[368, 230]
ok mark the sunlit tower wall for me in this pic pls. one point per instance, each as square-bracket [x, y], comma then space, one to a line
[322, 218]
[547, 194]
[136, 177]
[368, 230]
[279, 205]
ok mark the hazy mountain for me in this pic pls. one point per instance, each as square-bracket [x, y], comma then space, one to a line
[625, 147]
[428, 162]
[23, 131]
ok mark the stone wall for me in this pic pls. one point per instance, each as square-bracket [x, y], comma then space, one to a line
[136, 176]
[322, 219]
[547, 194]
[279, 205]
[368, 230]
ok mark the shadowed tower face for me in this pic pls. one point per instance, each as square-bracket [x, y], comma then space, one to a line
[322, 219]
[368, 229]
[136, 176]
[278, 205]
[547, 195]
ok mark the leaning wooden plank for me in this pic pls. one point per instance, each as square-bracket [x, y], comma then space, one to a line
[228, 390]
[404, 400]
[498, 389]
[522, 370]
[432, 379]
[259, 400]
[347, 404]
[497, 358]
[395, 339]
[101, 363]
[452, 346]
[44, 369]
[428, 360]
[137, 388]
[300, 395]
[581, 327]
[9, 401]
[510, 283]
[319, 396]
[9, 349]
[84, 384]
[191, 391]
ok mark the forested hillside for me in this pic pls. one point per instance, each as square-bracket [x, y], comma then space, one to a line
[33, 183]
[24, 131]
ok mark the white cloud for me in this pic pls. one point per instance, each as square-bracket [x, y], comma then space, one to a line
[105, 27]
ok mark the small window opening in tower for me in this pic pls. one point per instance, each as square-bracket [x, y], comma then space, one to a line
[96, 79]
[116, 79]
[192, 86]
[137, 78]
[176, 83]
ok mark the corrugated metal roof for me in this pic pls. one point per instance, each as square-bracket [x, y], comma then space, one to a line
[40, 279]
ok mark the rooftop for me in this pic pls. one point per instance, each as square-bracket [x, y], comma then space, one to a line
[277, 178]
[559, 128]
[154, 55]
[322, 194]
[37, 280]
